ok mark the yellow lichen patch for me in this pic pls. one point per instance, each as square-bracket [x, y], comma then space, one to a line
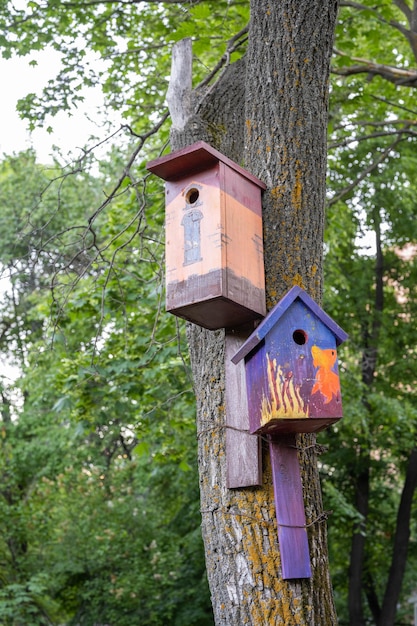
[296, 194]
[278, 191]
[298, 280]
[289, 612]
[257, 518]
[280, 609]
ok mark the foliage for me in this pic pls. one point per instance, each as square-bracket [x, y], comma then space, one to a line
[370, 277]
[99, 493]
[133, 41]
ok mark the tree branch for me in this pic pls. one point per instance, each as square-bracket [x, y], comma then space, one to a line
[411, 15]
[232, 45]
[393, 104]
[404, 8]
[396, 75]
[180, 84]
[383, 133]
[376, 124]
[96, 2]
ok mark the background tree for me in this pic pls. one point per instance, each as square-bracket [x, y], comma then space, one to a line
[372, 139]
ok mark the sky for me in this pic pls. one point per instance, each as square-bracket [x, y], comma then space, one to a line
[18, 79]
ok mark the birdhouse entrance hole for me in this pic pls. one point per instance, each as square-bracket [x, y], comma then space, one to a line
[192, 196]
[300, 337]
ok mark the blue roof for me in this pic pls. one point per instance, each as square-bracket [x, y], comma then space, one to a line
[276, 313]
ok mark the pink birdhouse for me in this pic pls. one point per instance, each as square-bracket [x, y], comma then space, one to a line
[214, 244]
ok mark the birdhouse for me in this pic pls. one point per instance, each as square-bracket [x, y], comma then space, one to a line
[214, 245]
[292, 377]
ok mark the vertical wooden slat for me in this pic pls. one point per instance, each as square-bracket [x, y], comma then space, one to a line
[289, 504]
[244, 467]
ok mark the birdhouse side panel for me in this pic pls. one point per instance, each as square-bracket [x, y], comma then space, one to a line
[243, 242]
[194, 233]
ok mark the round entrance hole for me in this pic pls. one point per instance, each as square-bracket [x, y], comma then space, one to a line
[192, 196]
[300, 337]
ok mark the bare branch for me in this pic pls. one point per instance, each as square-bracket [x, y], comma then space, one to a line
[396, 75]
[362, 7]
[129, 164]
[382, 157]
[88, 239]
[180, 84]
[357, 5]
[126, 2]
[387, 133]
[411, 15]
[394, 104]
[232, 45]
[375, 124]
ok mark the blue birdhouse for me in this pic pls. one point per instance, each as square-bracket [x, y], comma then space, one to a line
[292, 376]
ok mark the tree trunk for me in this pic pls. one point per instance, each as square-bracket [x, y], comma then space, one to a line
[271, 113]
[358, 582]
[357, 551]
[401, 543]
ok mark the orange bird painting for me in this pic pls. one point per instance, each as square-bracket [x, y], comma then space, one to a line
[326, 380]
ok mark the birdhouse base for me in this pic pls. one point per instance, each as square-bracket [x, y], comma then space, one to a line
[297, 425]
[215, 313]
[216, 299]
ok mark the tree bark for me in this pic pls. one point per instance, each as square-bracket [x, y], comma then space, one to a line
[271, 113]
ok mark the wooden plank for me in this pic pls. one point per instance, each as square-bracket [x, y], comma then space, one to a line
[289, 505]
[243, 451]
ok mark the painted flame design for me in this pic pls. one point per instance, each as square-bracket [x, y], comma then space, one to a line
[284, 399]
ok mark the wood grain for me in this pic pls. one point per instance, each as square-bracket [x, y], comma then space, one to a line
[289, 505]
[243, 451]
